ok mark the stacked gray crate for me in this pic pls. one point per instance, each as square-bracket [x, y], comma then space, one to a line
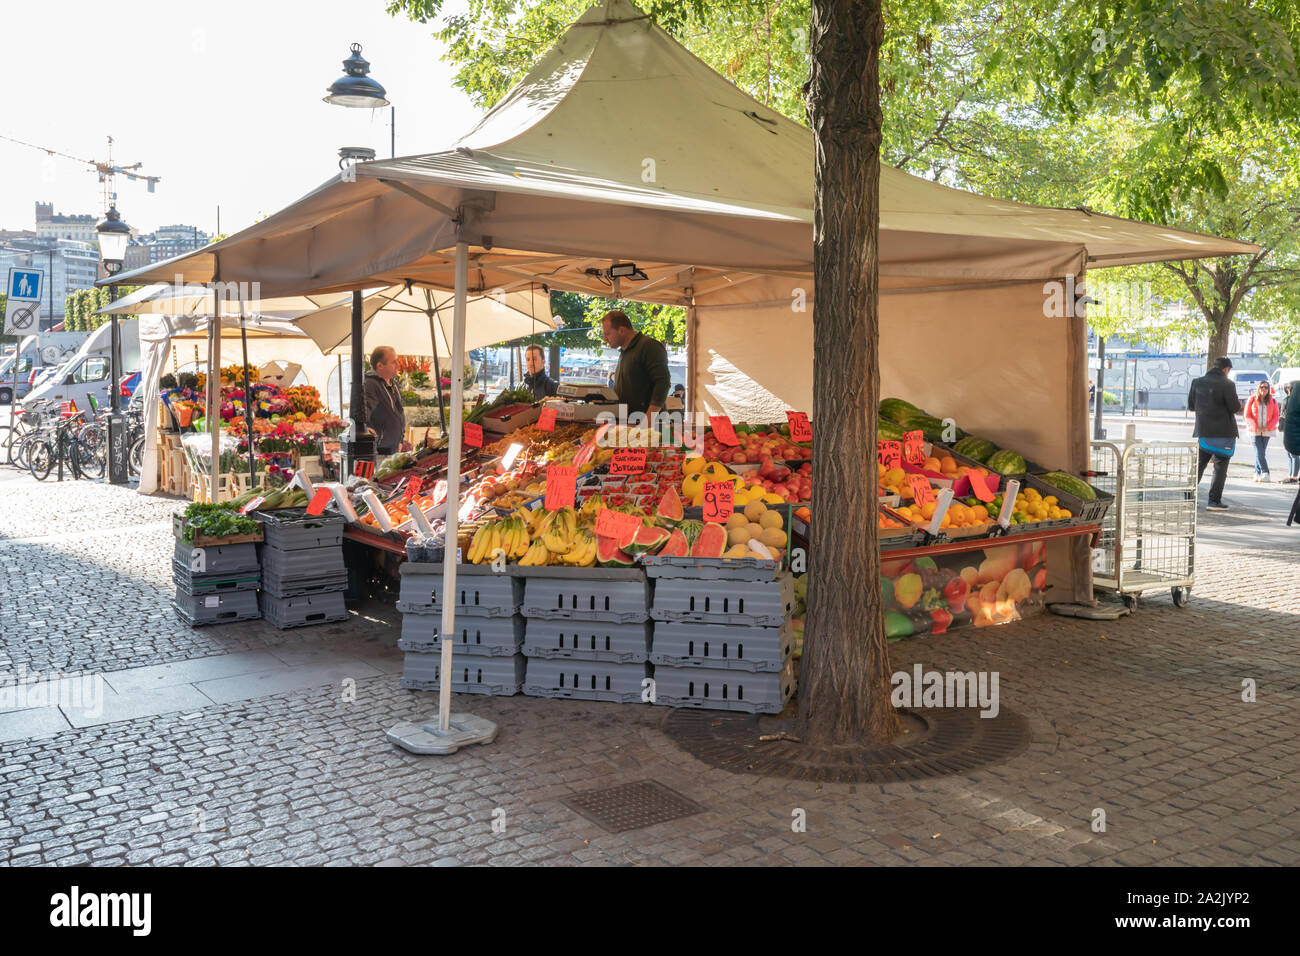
[486, 656]
[587, 634]
[216, 584]
[303, 575]
[723, 636]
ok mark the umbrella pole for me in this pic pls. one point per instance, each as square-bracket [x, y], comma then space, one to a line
[214, 395]
[453, 484]
[248, 400]
[437, 373]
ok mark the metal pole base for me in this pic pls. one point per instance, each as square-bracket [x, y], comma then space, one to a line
[430, 738]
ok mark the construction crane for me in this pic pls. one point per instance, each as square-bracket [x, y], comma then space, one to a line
[106, 170]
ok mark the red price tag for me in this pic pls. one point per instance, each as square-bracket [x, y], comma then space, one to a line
[363, 469]
[473, 436]
[628, 461]
[320, 500]
[800, 427]
[546, 421]
[914, 447]
[584, 454]
[616, 524]
[921, 490]
[561, 485]
[413, 488]
[979, 486]
[889, 454]
[252, 505]
[723, 430]
[719, 500]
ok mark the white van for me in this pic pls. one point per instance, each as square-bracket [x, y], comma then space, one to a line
[1284, 375]
[87, 372]
[44, 352]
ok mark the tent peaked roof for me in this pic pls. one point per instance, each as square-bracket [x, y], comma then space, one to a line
[620, 144]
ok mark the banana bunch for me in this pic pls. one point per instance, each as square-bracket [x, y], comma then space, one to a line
[591, 506]
[583, 550]
[536, 556]
[561, 531]
[486, 541]
[516, 538]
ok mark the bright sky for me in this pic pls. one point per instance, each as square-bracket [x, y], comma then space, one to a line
[222, 100]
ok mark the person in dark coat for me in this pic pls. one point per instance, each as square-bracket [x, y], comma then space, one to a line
[384, 413]
[1291, 431]
[1213, 397]
[542, 385]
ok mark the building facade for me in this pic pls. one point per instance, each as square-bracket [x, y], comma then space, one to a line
[67, 264]
[52, 226]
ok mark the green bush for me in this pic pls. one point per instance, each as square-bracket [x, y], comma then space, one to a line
[1109, 398]
[421, 416]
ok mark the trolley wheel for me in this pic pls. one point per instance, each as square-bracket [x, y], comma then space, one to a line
[1130, 601]
[1181, 596]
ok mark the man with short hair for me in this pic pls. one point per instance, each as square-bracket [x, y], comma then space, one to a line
[542, 385]
[1213, 397]
[384, 413]
[641, 379]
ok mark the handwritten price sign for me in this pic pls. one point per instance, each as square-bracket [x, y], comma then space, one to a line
[800, 427]
[546, 421]
[321, 499]
[473, 435]
[889, 454]
[616, 524]
[413, 487]
[723, 430]
[561, 485]
[921, 490]
[628, 461]
[914, 447]
[719, 500]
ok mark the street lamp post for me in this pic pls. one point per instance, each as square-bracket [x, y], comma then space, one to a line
[357, 90]
[114, 235]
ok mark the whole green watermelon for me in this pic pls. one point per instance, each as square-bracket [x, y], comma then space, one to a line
[974, 447]
[897, 410]
[888, 431]
[1005, 462]
[1070, 485]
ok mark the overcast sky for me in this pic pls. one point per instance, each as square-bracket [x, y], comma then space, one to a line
[222, 100]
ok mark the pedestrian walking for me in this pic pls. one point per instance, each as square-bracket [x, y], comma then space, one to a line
[1291, 431]
[1261, 415]
[1214, 400]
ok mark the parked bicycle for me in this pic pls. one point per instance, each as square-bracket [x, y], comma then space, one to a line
[60, 441]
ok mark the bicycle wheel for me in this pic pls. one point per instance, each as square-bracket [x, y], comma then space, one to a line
[88, 457]
[40, 459]
[135, 463]
[8, 443]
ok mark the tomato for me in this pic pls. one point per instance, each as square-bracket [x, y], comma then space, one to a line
[940, 619]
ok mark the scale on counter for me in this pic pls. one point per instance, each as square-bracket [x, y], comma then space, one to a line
[587, 393]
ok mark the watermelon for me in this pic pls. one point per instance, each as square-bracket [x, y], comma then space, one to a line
[888, 431]
[711, 541]
[669, 511]
[978, 449]
[897, 410]
[646, 541]
[1070, 485]
[930, 426]
[609, 555]
[676, 546]
[691, 528]
[1005, 462]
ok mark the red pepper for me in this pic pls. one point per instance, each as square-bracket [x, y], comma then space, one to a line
[941, 619]
[955, 593]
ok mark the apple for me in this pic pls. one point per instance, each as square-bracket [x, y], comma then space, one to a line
[740, 458]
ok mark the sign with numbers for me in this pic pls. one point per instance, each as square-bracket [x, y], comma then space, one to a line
[921, 490]
[615, 524]
[546, 420]
[719, 500]
[473, 435]
[914, 447]
[889, 454]
[800, 427]
[561, 485]
[363, 469]
[628, 461]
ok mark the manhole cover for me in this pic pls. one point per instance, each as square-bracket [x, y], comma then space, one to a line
[954, 741]
[632, 806]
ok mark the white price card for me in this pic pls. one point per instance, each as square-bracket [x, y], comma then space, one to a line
[212, 600]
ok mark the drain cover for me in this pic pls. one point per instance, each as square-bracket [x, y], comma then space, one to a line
[632, 806]
[956, 741]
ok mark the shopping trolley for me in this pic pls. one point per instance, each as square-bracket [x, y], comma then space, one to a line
[1148, 538]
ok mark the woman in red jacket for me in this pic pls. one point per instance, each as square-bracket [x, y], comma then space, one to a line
[1261, 417]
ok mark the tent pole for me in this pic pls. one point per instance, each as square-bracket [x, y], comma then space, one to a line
[214, 394]
[248, 399]
[437, 369]
[453, 483]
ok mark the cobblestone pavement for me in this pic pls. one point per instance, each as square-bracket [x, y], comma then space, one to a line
[1141, 718]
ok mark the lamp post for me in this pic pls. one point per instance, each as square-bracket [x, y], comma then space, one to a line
[114, 235]
[356, 89]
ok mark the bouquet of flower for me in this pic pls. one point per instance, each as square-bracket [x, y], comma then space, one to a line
[303, 398]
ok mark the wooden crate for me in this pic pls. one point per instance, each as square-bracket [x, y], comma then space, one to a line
[203, 541]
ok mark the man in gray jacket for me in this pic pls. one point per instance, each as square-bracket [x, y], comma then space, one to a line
[384, 413]
[1213, 398]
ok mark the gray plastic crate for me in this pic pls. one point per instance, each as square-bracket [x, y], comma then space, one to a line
[707, 689]
[480, 591]
[754, 603]
[498, 676]
[722, 646]
[586, 680]
[617, 595]
[728, 569]
[296, 587]
[304, 563]
[587, 640]
[248, 580]
[302, 611]
[291, 529]
[219, 559]
[479, 636]
[198, 609]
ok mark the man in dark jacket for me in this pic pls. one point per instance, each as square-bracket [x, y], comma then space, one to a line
[641, 379]
[384, 413]
[1213, 397]
[1291, 430]
[542, 385]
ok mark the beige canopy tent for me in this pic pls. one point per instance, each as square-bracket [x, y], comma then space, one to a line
[619, 145]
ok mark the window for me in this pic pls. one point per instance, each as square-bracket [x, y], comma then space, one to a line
[93, 369]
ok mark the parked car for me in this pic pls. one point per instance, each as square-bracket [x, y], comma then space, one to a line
[1247, 381]
[1282, 376]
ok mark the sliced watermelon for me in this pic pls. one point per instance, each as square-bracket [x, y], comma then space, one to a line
[676, 546]
[710, 542]
[691, 528]
[669, 511]
[609, 554]
[647, 541]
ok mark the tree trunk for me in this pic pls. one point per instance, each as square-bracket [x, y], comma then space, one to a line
[844, 693]
[1219, 326]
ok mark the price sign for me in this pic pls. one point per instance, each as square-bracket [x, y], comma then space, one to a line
[561, 485]
[921, 489]
[413, 487]
[615, 524]
[252, 505]
[719, 500]
[979, 487]
[723, 430]
[546, 421]
[511, 454]
[889, 454]
[363, 469]
[473, 435]
[319, 501]
[628, 461]
[914, 447]
[800, 427]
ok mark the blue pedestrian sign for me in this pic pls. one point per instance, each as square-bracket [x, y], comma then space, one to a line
[25, 284]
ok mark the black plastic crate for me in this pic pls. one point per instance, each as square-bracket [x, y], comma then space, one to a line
[752, 603]
[706, 689]
[587, 680]
[479, 636]
[304, 611]
[480, 591]
[200, 609]
[297, 587]
[712, 569]
[563, 638]
[292, 529]
[215, 583]
[497, 676]
[1082, 512]
[722, 646]
[225, 559]
[304, 563]
[616, 595]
